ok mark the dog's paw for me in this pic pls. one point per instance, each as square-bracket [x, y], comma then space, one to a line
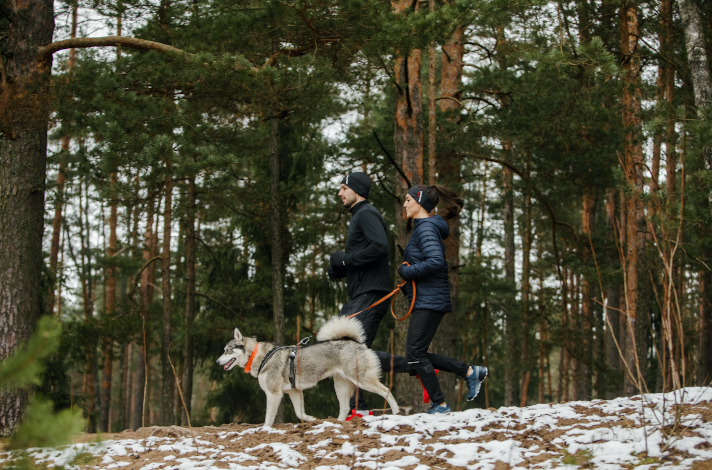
[396, 411]
[309, 418]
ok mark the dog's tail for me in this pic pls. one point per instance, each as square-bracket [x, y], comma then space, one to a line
[342, 327]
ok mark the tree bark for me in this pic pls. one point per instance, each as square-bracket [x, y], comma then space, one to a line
[543, 341]
[408, 137]
[704, 368]
[613, 387]
[22, 181]
[109, 309]
[187, 383]
[699, 65]
[276, 234]
[449, 172]
[61, 180]
[574, 328]
[149, 251]
[166, 372]
[633, 168]
[526, 283]
[696, 53]
[432, 112]
[512, 330]
[583, 376]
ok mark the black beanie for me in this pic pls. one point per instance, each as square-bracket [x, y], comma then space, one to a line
[359, 182]
[417, 193]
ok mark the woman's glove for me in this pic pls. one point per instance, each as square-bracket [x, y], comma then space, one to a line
[400, 270]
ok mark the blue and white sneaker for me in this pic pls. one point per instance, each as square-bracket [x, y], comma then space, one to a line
[474, 381]
[436, 409]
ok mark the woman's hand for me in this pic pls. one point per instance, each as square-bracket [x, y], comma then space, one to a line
[400, 270]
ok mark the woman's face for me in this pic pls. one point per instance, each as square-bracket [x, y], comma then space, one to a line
[411, 207]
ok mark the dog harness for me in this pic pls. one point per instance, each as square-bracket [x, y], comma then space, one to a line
[292, 356]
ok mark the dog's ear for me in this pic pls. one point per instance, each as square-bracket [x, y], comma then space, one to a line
[238, 335]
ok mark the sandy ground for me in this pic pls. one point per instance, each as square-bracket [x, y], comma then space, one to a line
[652, 431]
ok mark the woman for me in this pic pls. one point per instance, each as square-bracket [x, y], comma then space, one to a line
[425, 253]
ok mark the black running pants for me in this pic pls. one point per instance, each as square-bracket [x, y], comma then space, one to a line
[439, 362]
[421, 331]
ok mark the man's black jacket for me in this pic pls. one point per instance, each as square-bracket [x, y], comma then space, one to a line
[366, 264]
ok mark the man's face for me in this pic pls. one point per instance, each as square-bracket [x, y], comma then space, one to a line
[348, 196]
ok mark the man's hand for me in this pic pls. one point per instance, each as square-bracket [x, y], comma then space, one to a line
[338, 258]
[400, 270]
[332, 273]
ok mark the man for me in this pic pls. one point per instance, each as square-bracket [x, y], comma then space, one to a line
[364, 264]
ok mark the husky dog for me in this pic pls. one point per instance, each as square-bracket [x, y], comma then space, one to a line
[339, 353]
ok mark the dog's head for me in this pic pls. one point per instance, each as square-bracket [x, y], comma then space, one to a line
[237, 351]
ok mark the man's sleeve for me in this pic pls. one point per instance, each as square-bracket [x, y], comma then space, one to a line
[429, 244]
[372, 228]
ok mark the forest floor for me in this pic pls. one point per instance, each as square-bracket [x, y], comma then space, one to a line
[649, 431]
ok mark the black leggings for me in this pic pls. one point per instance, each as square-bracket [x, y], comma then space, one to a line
[421, 331]
[439, 362]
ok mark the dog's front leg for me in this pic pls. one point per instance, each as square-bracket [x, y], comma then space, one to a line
[273, 401]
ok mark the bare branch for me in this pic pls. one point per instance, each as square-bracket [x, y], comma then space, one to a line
[108, 41]
[391, 159]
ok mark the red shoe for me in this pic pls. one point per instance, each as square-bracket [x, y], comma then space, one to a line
[426, 397]
[358, 414]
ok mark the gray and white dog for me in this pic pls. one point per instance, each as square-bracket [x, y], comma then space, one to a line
[339, 353]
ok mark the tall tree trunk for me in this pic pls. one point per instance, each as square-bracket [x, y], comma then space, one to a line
[563, 385]
[276, 233]
[432, 112]
[166, 371]
[408, 137]
[87, 282]
[526, 283]
[149, 251]
[584, 385]
[614, 384]
[61, 180]
[704, 361]
[109, 308]
[126, 387]
[23, 162]
[189, 299]
[633, 162]
[481, 219]
[511, 327]
[449, 171]
[574, 328]
[541, 307]
[276, 242]
[696, 53]
[699, 65]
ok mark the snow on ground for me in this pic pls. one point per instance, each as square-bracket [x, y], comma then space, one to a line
[649, 431]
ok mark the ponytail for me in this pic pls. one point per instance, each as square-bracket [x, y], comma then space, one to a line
[451, 200]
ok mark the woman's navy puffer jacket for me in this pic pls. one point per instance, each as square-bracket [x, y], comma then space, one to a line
[426, 254]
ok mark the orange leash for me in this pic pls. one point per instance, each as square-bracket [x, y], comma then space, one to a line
[392, 294]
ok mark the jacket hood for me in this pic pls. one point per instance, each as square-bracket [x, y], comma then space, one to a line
[439, 222]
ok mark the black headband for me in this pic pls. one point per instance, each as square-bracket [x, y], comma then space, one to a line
[420, 196]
